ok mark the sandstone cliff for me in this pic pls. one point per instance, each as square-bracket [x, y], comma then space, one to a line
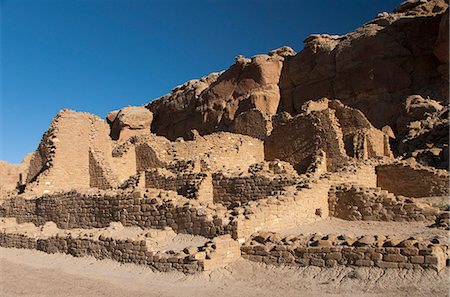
[377, 66]
[374, 69]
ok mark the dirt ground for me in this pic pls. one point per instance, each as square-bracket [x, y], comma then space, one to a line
[34, 273]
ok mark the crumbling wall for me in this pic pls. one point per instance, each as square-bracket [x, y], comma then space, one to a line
[96, 209]
[221, 150]
[294, 206]
[215, 152]
[360, 174]
[331, 250]
[361, 139]
[13, 175]
[100, 176]
[147, 157]
[124, 163]
[350, 202]
[413, 180]
[215, 253]
[190, 185]
[236, 190]
[74, 145]
[298, 139]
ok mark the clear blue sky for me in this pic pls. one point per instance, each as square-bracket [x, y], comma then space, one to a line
[100, 55]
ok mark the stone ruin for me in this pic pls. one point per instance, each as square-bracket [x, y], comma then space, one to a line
[223, 166]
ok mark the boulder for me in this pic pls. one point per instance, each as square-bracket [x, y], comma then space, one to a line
[129, 121]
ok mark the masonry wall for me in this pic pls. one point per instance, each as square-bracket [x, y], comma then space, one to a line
[159, 209]
[350, 202]
[75, 152]
[413, 181]
[298, 139]
[295, 251]
[190, 185]
[216, 151]
[289, 209]
[221, 150]
[233, 191]
[220, 251]
[361, 139]
[362, 174]
[100, 176]
[124, 164]
[147, 157]
[156, 209]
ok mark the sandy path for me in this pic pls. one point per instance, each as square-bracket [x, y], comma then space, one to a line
[33, 273]
[358, 228]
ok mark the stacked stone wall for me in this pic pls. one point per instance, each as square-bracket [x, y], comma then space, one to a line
[330, 251]
[362, 174]
[298, 139]
[161, 209]
[217, 151]
[413, 180]
[147, 157]
[216, 253]
[351, 202]
[155, 209]
[74, 153]
[291, 208]
[233, 191]
[100, 176]
[190, 185]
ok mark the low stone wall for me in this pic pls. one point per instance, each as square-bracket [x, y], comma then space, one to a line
[233, 191]
[216, 253]
[352, 202]
[190, 185]
[95, 209]
[329, 251]
[413, 180]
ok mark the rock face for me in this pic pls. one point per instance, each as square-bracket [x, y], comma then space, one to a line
[375, 67]
[427, 139]
[174, 112]
[214, 102]
[416, 108]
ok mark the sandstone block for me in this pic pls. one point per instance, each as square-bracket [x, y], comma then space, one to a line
[394, 258]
